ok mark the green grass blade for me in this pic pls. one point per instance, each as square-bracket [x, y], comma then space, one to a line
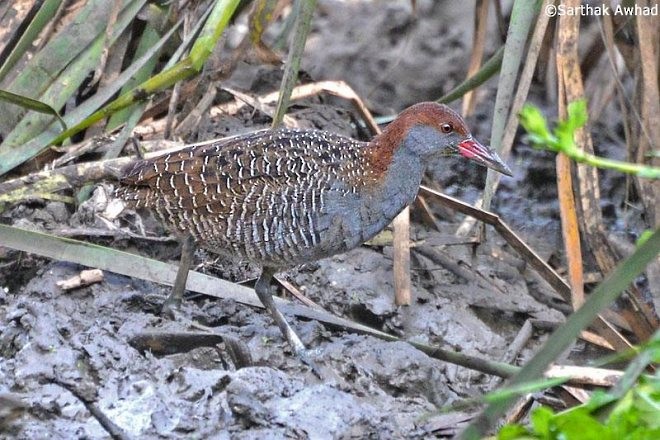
[148, 46]
[523, 15]
[24, 141]
[503, 393]
[217, 21]
[163, 80]
[11, 158]
[39, 22]
[47, 65]
[182, 70]
[215, 25]
[83, 111]
[637, 367]
[50, 135]
[490, 68]
[57, 94]
[31, 104]
[188, 41]
[305, 10]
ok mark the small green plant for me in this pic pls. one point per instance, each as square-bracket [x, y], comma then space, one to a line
[630, 410]
[635, 416]
[561, 139]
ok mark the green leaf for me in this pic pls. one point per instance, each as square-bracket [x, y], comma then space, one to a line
[533, 121]
[630, 410]
[646, 400]
[541, 418]
[513, 432]
[578, 424]
[577, 114]
[562, 139]
[536, 126]
[565, 131]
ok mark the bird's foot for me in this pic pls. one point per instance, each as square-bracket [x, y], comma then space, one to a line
[171, 308]
[301, 352]
[238, 351]
[305, 358]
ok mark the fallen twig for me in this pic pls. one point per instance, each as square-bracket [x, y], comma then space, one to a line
[607, 331]
[85, 278]
[111, 427]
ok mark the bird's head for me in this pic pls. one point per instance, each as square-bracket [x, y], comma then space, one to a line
[429, 130]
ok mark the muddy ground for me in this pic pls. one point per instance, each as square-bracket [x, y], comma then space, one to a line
[53, 342]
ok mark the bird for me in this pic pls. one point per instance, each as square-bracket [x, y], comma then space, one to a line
[283, 197]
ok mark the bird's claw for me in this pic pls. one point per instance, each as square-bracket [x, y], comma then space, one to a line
[304, 355]
[171, 308]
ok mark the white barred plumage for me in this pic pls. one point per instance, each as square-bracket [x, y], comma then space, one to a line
[284, 197]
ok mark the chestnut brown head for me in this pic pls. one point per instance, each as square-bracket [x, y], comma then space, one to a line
[431, 129]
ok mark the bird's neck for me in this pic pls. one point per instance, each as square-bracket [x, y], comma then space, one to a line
[382, 148]
[398, 173]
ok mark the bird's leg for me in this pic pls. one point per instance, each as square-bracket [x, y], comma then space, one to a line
[176, 295]
[263, 292]
[262, 288]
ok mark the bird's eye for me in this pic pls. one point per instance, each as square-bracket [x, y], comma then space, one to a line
[447, 128]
